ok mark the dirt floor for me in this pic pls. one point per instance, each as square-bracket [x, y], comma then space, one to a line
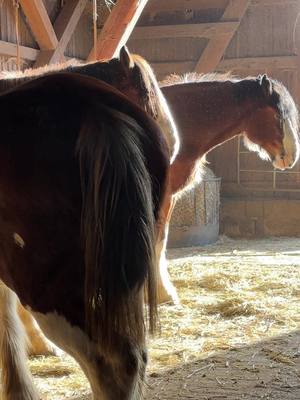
[236, 334]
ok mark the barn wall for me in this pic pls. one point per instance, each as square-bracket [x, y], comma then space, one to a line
[78, 47]
[267, 30]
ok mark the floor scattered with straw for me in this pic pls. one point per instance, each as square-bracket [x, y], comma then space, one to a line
[236, 334]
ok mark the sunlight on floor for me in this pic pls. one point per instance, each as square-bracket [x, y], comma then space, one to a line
[233, 293]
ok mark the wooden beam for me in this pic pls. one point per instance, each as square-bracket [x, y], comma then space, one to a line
[259, 63]
[184, 30]
[64, 28]
[233, 64]
[156, 6]
[117, 28]
[273, 2]
[10, 50]
[182, 5]
[217, 46]
[40, 24]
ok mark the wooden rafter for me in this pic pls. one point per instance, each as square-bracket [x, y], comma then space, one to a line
[10, 50]
[207, 30]
[287, 63]
[216, 47]
[156, 6]
[182, 5]
[117, 28]
[64, 28]
[40, 24]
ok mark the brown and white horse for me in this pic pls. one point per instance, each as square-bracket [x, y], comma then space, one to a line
[130, 74]
[82, 178]
[211, 109]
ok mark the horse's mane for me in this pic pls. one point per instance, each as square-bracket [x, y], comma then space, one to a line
[194, 77]
[151, 85]
[286, 105]
[285, 101]
[156, 104]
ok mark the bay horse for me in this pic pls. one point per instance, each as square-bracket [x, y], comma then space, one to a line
[132, 76]
[213, 108]
[83, 172]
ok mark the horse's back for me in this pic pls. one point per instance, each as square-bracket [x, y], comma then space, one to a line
[41, 197]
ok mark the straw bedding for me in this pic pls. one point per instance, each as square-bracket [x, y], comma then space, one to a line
[234, 336]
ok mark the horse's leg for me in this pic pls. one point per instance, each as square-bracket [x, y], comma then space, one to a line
[166, 290]
[16, 380]
[117, 376]
[38, 344]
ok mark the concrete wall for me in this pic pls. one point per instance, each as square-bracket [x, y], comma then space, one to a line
[257, 218]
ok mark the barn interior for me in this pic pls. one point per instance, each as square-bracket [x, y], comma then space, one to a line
[233, 251]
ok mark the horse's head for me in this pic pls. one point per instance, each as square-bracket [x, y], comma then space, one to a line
[133, 76]
[273, 129]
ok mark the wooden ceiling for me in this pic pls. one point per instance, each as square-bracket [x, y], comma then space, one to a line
[52, 39]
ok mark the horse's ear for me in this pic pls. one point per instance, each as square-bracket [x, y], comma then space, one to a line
[126, 59]
[266, 85]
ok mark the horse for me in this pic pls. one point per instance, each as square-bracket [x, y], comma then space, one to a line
[83, 172]
[132, 76]
[211, 109]
[129, 73]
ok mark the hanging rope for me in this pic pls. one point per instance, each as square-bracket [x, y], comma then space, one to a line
[17, 6]
[95, 17]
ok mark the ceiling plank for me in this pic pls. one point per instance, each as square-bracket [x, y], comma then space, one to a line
[40, 24]
[117, 28]
[64, 28]
[217, 46]
[207, 30]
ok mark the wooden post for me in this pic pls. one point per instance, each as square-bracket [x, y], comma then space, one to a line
[40, 23]
[64, 28]
[117, 28]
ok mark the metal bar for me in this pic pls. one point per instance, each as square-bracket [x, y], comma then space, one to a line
[270, 189]
[277, 171]
[238, 160]
[274, 179]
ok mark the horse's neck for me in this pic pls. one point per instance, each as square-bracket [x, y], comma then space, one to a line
[207, 114]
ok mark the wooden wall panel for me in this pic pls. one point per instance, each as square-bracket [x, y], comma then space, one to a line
[82, 39]
[168, 49]
[265, 30]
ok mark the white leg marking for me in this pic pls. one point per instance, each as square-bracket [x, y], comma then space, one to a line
[16, 380]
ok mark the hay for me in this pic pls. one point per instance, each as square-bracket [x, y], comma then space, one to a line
[233, 293]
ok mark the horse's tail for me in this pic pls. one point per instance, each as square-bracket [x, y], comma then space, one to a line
[118, 227]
